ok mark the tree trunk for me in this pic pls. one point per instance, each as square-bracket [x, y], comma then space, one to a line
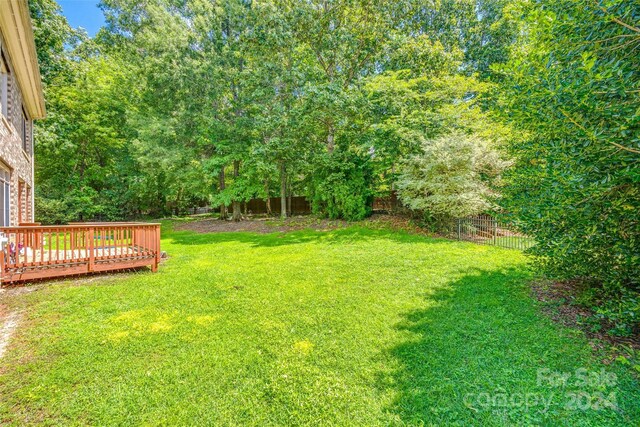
[331, 139]
[289, 201]
[223, 207]
[283, 191]
[176, 207]
[393, 177]
[237, 208]
[267, 200]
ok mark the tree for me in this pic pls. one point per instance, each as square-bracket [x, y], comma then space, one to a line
[481, 30]
[571, 88]
[278, 119]
[227, 101]
[420, 96]
[175, 87]
[54, 38]
[82, 139]
[339, 43]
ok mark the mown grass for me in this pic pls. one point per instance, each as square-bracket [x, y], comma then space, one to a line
[346, 327]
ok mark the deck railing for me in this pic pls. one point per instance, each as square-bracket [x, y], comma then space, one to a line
[38, 252]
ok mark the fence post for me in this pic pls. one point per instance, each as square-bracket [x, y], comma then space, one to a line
[459, 220]
[495, 231]
[89, 246]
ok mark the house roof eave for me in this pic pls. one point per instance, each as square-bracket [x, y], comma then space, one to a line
[15, 25]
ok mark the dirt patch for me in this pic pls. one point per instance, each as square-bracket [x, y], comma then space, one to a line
[261, 225]
[307, 222]
[559, 304]
[19, 289]
[11, 314]
[8, 324]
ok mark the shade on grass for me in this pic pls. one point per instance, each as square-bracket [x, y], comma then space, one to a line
[347, 327]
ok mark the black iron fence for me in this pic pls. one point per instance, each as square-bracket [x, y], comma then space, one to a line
[486, 230]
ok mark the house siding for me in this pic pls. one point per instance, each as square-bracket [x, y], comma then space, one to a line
[12, 154]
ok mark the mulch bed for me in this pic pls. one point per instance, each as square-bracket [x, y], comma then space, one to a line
[260, 225]
[306, 222]
[559, 304]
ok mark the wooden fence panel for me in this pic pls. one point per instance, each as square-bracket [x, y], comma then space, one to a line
[299, 206]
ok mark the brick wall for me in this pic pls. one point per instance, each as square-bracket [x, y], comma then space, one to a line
[12, 154]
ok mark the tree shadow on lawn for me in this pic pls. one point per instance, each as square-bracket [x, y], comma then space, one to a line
[480, 341]
[339, 236]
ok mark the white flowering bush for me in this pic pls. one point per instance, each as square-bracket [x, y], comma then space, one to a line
[455, 175]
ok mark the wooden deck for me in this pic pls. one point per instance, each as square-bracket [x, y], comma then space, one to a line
[37, 252]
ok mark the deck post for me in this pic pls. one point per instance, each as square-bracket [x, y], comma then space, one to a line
[89, 245]
[156, 245]
[1, 265]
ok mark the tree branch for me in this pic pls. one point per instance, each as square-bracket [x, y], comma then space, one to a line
[619, 21]
[585, 130]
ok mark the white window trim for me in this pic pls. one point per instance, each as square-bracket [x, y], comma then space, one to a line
[5, 181]
[4, 87]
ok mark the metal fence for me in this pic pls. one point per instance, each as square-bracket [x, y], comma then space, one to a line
[487, 230]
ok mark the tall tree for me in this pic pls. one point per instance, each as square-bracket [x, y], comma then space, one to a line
[572, 89]
[482, 30]
[54, 38]
[340, 42]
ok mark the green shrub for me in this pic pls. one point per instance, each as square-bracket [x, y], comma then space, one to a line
[82, 204]
[569, 89]
[622, 311]
[51, 211]
[341, 187]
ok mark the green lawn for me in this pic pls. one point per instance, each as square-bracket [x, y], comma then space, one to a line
[346, 327]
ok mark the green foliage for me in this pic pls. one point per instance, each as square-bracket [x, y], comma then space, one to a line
[51, 211]
[80, 147]
[423, 96]
[175, 104]
[616, 313]
[341, 186]
[482, 31]
[454, 176]
[572, 91]
[622, 310]
[53, 36]
[79, 204]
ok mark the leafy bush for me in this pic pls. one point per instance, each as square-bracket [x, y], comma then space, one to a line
[51, 211]
[623, 312]
[341, 187]
[571, 89]
[615, 311]
[454, 176]
[84, 204]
